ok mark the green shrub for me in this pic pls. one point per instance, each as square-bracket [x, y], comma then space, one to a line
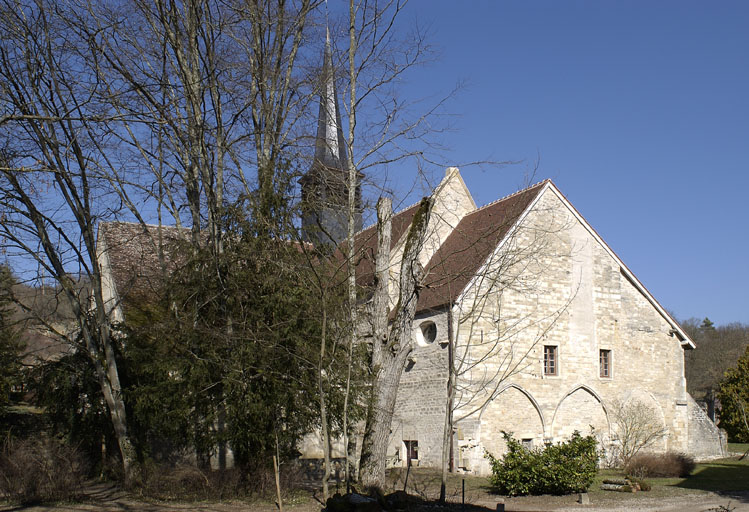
[556, 469]
[660, 465]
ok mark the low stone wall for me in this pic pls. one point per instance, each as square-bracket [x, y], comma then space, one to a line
[312, 469]
[706, 440]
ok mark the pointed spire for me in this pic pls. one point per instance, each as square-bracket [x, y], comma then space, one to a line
[330, 146]
[325, 185]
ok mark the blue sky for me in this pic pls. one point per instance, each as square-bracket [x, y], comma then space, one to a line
[639, 112]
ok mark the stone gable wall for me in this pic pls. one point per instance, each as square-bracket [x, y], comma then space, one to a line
[420, 405]
[451, 203]
[703, 434]
[552, 284]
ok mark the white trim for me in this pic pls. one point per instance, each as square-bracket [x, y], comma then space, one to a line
[421, 340]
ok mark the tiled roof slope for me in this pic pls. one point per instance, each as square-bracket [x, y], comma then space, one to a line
[469, 245]
[133, 257]
[366, 243]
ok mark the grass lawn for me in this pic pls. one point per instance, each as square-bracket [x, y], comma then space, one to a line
[720, 475]
[738, 448]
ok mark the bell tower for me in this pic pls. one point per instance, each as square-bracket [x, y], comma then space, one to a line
[325, 185]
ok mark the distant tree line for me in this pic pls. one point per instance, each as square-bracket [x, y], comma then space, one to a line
[712, 368]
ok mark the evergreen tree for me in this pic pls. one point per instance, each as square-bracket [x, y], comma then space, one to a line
[232, 361]
[10, 342]
[734, 400]
[707, 325]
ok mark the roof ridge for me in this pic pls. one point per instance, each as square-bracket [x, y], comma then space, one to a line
[526, 189]
[147, 224]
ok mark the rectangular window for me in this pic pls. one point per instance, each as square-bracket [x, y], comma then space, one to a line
[550, 360]
[412, 450]
[527, 444]
[605, 363]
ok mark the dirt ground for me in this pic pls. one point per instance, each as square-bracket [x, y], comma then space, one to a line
[106, 498]
[425, 484]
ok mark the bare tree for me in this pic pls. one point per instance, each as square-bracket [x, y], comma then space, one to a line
[383, 128]
[136, 110]
[391, 338]
[717, 350]
[52, 187]
[637, 426]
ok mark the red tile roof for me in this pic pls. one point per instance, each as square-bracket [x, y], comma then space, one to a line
[366, 244]
[137, 272]
[469, 245]
[136, 269]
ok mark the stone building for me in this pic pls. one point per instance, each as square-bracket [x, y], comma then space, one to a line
[548, 330]
[550, 333]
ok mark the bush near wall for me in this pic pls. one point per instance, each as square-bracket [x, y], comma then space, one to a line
[556, 469]
[660, 465]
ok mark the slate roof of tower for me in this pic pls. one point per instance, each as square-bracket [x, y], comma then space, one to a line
[330, 145]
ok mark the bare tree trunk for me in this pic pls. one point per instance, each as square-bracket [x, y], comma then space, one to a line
[391, 341]
[448, 427]
[350, 238]
[323, 407]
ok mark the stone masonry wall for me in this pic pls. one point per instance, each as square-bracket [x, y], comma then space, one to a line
[420, 404]
[559, 287]
[704, 435]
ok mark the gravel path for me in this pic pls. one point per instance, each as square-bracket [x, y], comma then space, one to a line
[110, 499]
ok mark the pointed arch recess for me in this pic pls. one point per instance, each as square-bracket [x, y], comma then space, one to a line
[514, 410]
[591, 392]
[528, 395]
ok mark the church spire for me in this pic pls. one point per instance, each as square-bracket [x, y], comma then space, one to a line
[330, 146]
[325, 186]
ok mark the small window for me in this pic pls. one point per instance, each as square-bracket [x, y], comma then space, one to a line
[427, 333]
[604, 360]
[527, 444]
[550, 360]
[412, 450]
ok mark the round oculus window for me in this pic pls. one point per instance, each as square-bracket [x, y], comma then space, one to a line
[427, 332]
